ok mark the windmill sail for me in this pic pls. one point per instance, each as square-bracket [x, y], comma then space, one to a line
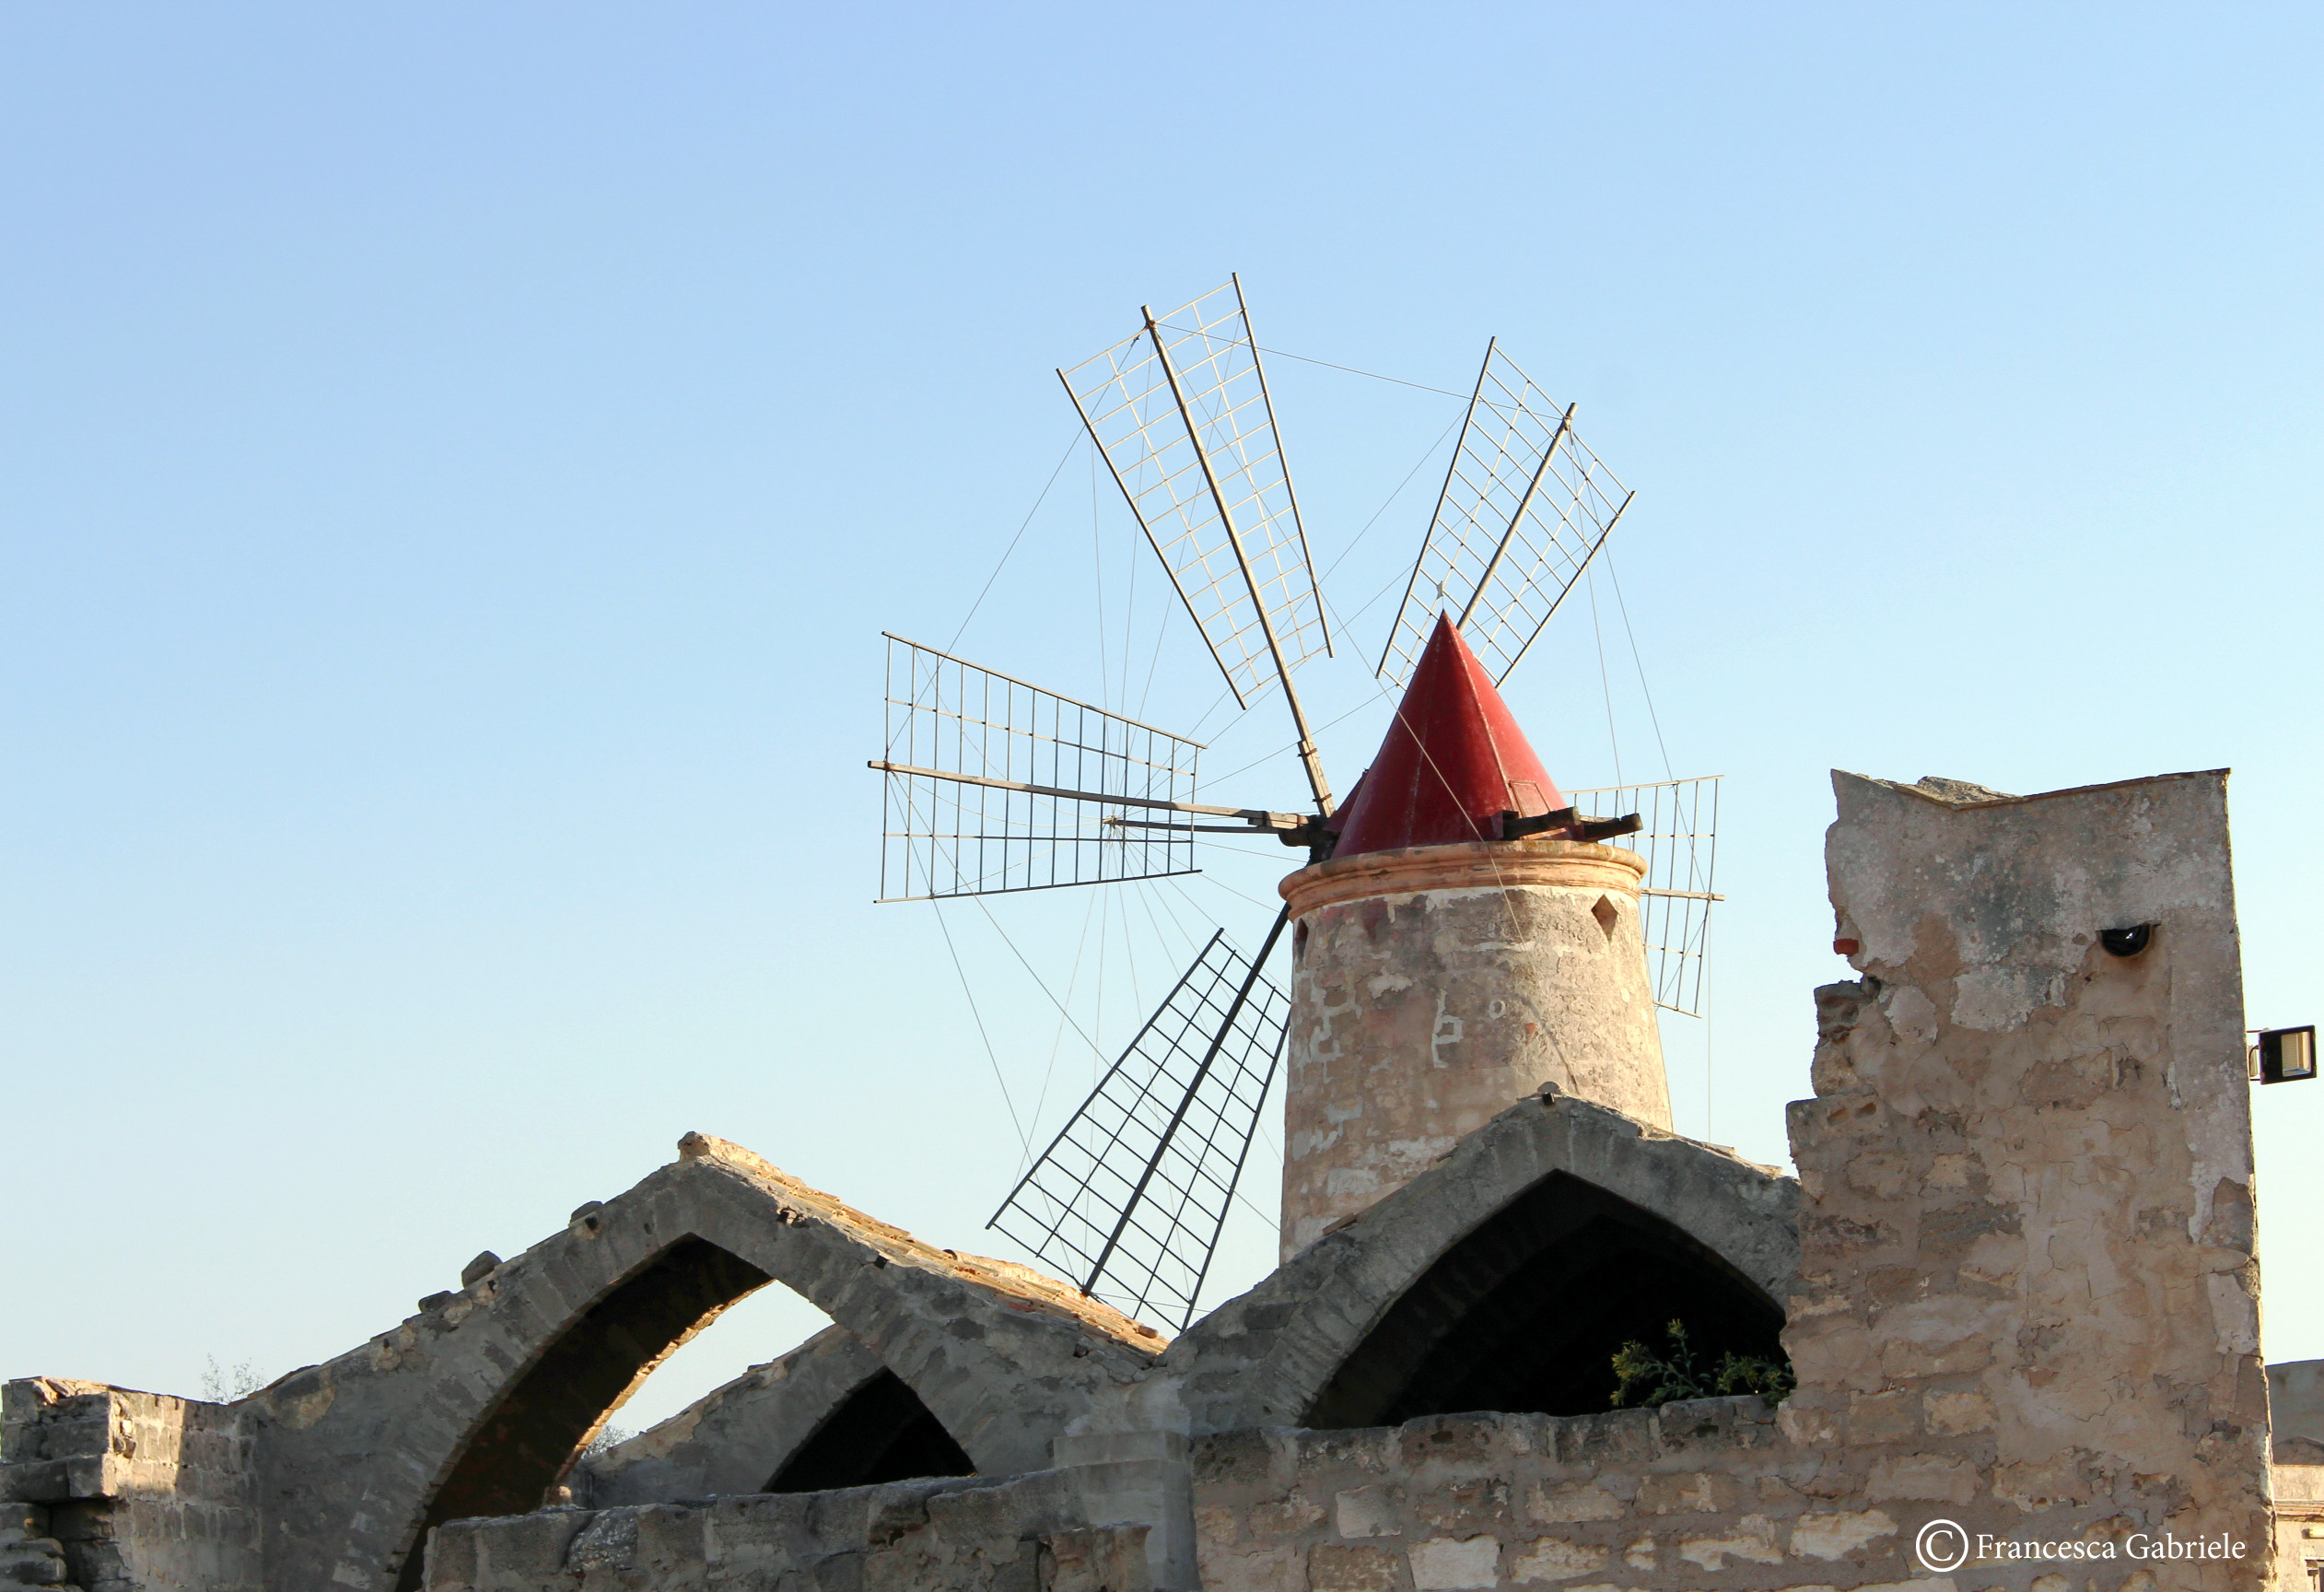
[1523, 509]
[994, 785]
[1680, 843]
[1129, 1198]
[1181, 413]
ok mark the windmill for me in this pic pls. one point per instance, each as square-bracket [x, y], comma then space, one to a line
[995, 786]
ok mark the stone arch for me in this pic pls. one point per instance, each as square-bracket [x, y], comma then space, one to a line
[1526, 1312]
[827, 1415]
[461, 1409]
[880, 1433]
[1276, 1356]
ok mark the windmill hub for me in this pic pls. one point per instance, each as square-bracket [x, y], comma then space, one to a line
[1441, 973]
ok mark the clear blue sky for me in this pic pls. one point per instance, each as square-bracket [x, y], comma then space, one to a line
[456, 463]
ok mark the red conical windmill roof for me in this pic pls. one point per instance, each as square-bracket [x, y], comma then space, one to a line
[1453, 761]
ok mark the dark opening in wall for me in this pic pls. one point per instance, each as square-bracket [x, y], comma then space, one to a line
[1527, 1311]
[528, 1439]
[882, 1434]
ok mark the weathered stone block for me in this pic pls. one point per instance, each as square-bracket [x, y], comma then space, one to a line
[1476, 1502]
[1373, 1511]
[1689, 1492]
[1592, 1442]
[1454, 1563]
[1557, 1504]
[1929, 1477]
[1556, 1559]
[1253, 1570]
[1355, 1569]
[1459, 1441]
[1245, 1458]
[1840, 1534]
[1101, 1559]
[1751, 1537]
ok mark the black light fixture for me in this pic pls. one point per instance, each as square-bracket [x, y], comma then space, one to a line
[2284, 1054]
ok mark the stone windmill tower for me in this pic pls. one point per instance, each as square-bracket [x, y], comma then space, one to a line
[1440, 972]
[1519, 955]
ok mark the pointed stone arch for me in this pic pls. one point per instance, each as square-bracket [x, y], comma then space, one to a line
[1344, 1333]
[486, 1396]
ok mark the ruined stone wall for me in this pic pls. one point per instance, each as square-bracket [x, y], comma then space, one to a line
[2029, 1301]
[1433, 988]
[1704, 1493]
[112, 1490]
[1025, 1535]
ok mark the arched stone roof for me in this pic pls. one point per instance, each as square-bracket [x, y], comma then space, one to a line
[736, 1436]
[1263, 1359]
[479, 1401]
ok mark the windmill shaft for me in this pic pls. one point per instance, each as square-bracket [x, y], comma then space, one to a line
[1256, 817]
[1217, 1042]
[1532, 486]
[1309, 756]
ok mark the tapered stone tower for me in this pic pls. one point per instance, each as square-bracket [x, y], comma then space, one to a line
[1440, 973]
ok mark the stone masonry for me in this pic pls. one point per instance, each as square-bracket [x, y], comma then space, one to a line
[1432, 986]
[2014, 1277]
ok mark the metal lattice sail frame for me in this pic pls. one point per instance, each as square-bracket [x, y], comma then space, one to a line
[1181, 412]
[1130, 1197]
[995, 784]
[1679, 840]
[1523, 509]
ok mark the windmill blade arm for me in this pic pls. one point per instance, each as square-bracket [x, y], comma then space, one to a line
[1524, 509]
[1253, 817]
[1130, 1197]
[1182, 412]
[995, 784]
[1307, 833]
[1539, 625]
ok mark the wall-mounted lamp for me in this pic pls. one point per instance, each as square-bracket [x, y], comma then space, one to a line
[2282, 1055]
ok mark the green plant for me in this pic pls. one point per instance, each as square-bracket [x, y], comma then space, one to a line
[1645, 1377]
